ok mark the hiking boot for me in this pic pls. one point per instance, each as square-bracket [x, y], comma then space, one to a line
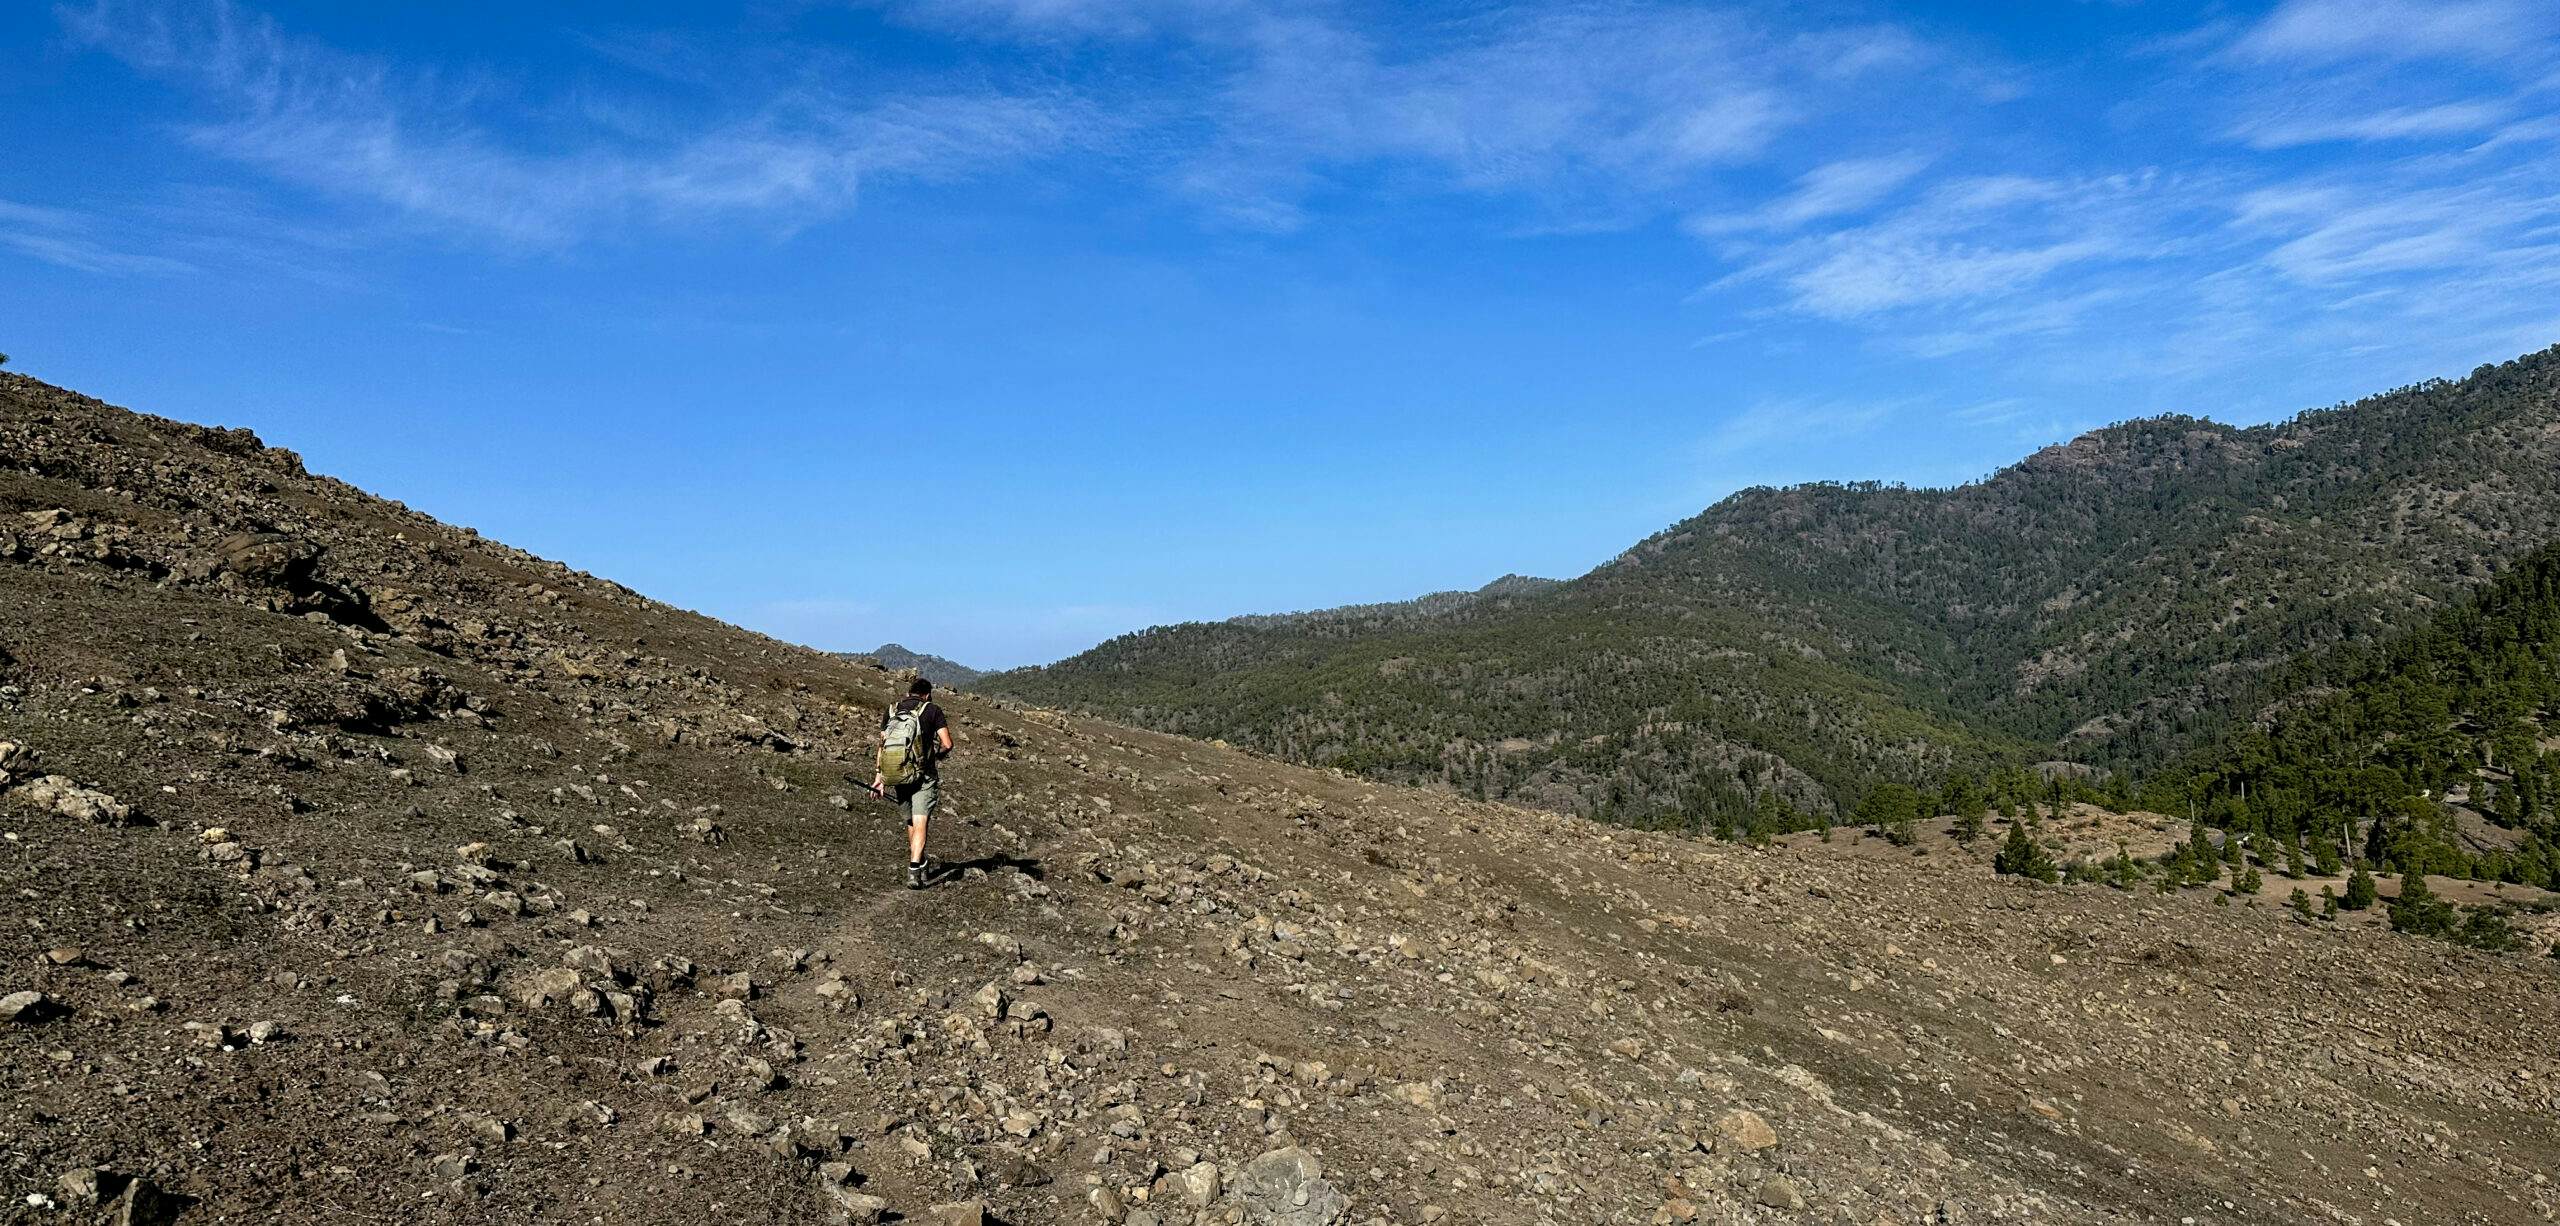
[915, 876]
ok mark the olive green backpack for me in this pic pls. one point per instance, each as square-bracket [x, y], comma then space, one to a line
[903, 752]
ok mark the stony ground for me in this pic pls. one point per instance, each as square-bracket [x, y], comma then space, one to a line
[363, 870]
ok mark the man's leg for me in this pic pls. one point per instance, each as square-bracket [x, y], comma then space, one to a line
[920, 806]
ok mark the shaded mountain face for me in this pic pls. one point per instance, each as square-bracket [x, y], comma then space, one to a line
[940, 671]
[2437, 749]
[363, 869]
[2112, 600]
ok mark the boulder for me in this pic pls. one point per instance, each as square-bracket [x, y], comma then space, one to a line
[26, 1008]
[594, 962]
[957, 1213]
[146, 1204]
[80, 1186]
[1196, 1185]
[67, 798]
[1286, 1187]
[266, 558]
[1745, 1130]
[990, 1001]
[546, 987]
[859, 1208]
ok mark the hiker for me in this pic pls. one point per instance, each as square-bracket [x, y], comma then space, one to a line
[914, 739]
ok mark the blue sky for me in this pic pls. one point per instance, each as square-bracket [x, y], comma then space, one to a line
[997, 327]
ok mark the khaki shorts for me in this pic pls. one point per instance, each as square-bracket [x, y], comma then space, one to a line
[919, 798]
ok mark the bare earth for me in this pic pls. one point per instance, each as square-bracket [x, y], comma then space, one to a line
[560, 909]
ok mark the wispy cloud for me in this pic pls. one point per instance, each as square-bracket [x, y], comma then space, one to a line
[1795, 422]
[355, 129]
[76, 241]
[1062, 19]
[2338, 218]
[2328, 31]
[1591, 115]
[1580, 107]
[1577, 116]
[2339, 232]
[2394, 124]
[1834, 180]
[1962, 241]
[1831, 190]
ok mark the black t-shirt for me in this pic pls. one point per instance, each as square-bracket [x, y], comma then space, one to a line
[933, 724]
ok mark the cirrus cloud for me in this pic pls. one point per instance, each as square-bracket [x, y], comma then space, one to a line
[355, 128]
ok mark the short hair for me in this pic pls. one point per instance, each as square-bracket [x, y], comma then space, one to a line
[919, 687]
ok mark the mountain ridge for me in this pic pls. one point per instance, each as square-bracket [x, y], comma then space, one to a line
[1428, 605]
[934, 668]
[2116, 597]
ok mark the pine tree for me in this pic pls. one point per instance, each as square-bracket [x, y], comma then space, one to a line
[2248, 882]
[2360, 891]
[2489, 930]
[2021, 856]
[1893, 809]
[2507, 808]
[2328, 904]
[2301, 904]
[2418, 910]
[1969, 821]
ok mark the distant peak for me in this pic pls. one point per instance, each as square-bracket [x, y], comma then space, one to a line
[1512, 584]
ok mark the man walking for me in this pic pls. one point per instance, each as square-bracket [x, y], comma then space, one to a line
[914, 739]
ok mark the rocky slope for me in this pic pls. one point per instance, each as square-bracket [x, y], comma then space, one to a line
[361, 869]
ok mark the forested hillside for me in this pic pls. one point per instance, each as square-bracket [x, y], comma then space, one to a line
[2111, 601]
[2433, 754]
